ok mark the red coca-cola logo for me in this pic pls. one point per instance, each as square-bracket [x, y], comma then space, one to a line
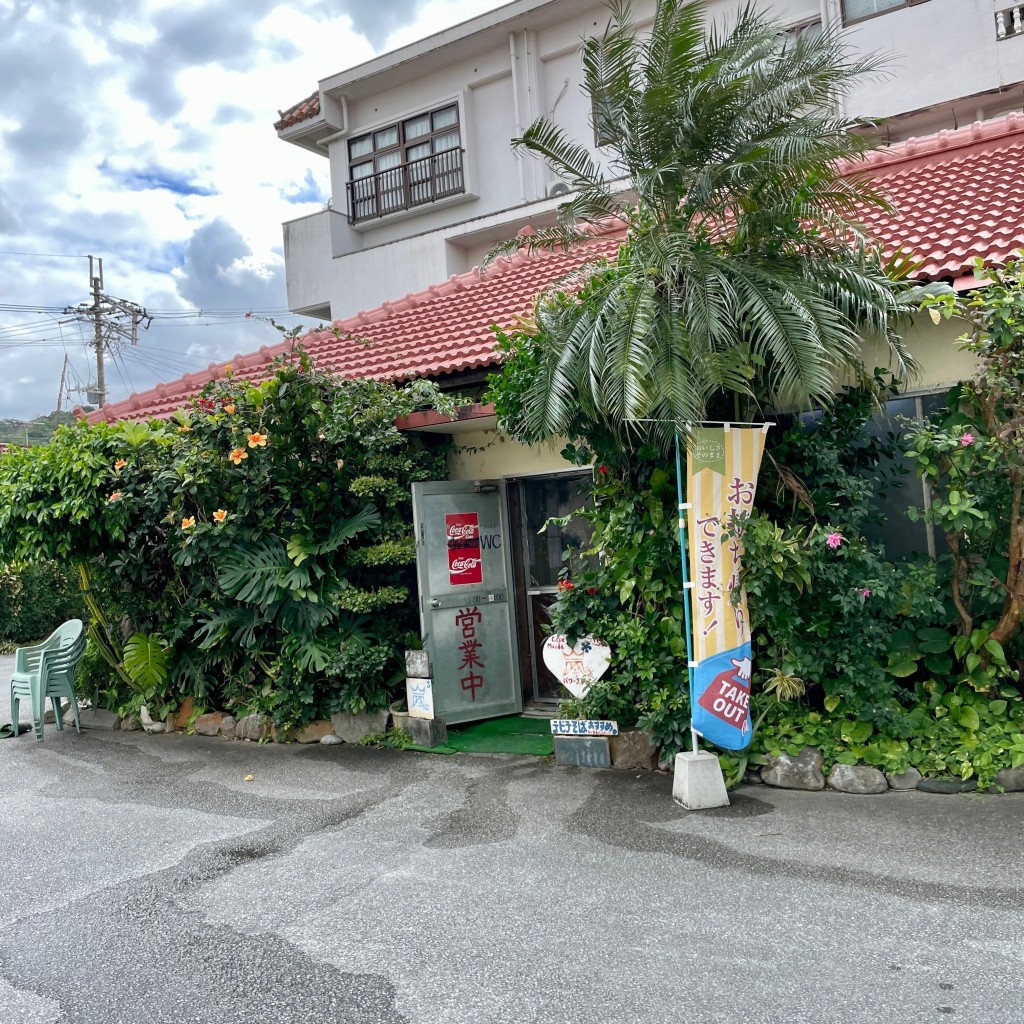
[465, 563]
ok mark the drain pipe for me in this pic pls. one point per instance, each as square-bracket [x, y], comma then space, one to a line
[518, 111]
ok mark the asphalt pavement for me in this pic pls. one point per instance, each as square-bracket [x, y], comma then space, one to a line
[144, 880]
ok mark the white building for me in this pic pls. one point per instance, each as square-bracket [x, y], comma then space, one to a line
[423, 178]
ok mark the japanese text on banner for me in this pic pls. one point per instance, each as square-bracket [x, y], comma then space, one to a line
[722, 467]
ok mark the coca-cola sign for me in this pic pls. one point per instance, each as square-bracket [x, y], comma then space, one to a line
[465, 564]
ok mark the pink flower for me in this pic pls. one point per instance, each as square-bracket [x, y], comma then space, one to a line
[833, 540]
[865, 592]
[966, 439]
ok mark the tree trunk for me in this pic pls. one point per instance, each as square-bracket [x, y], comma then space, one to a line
[959, 573]
[1013, 606]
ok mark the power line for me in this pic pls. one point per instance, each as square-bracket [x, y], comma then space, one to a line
[48, 255]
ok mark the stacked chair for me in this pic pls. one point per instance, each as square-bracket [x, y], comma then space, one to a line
[48, 671]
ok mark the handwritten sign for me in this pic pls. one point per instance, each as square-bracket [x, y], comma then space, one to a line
[576, 667]
[583, 727]
[420, 697]
[471, 649]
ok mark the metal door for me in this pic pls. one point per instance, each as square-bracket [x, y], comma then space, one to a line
[465, 578]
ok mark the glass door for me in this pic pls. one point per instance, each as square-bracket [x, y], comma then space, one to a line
[544, 547]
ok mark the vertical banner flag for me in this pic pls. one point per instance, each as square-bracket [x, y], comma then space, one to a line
[721, 471]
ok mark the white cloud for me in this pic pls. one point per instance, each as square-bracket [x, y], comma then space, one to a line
[146, 137]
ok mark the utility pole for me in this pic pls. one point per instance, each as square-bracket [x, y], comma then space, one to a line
[96, 280]
[113, 320]
[60, 389]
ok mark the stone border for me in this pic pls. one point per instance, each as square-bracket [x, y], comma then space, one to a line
[806, 772]
[341, 728]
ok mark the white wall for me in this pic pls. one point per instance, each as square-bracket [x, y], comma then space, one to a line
[504, 75]
[308, 267]
[943, 50]
[487, 455]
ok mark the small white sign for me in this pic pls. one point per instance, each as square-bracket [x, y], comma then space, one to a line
[419, 694]
[583, 727]
[576, 667]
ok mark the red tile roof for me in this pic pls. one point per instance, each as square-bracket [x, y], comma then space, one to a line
[302, 111]
[444, 329]
[955, 195]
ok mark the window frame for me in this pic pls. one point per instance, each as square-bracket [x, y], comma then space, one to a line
[399, 197]
[901, 5]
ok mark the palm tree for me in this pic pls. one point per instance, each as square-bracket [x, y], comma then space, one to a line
[743, 269]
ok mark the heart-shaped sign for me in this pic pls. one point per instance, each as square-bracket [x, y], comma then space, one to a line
[576, 667]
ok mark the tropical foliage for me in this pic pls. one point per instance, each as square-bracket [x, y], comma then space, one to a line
[863, 648]
[973, 461]
[624, 588]
[743, 271]
[254, 552]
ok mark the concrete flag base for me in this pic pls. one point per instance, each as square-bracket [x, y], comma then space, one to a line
[698, 782]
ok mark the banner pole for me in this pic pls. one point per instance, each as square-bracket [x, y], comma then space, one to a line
[686, 587]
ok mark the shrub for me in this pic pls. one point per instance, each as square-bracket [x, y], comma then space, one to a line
[257, 548]
[35, 598]
[625, 589]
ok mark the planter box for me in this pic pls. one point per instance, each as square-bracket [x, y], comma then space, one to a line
[633, 748]
[353, 727]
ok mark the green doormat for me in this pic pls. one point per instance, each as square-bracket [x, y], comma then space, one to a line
[512, 734]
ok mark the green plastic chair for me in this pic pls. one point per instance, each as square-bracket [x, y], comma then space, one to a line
[47, 670]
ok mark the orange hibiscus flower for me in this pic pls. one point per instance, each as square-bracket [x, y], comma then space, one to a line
[220, 515]
[120, 464]
[116, 496]
[257, 440]
[229, 408]
[188, 523]
[237, 454]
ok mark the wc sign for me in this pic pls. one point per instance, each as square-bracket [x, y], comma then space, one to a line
[465, 563]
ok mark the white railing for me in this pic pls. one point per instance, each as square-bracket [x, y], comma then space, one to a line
[1010, 22]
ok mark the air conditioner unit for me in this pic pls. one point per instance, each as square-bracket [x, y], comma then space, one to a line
[558, 187]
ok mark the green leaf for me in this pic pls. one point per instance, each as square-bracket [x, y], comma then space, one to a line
[856, 732]
[832, 702]
[367, 518]
[255, 573]
[996, 650]
[145, 661]
[902, 665]
[969, 718]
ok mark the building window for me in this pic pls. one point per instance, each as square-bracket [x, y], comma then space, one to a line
[903, 538]
[404, 165]
[858, 10]
[806, 30]
[903, 487]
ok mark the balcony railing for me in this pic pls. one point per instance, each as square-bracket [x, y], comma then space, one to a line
[1010, 22]
[406, 186]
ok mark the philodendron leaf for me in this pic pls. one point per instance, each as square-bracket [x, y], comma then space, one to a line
[145, 661]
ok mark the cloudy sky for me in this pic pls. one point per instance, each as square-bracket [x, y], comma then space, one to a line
[141, 131]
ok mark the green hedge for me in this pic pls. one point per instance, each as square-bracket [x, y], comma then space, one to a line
[34, 600]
